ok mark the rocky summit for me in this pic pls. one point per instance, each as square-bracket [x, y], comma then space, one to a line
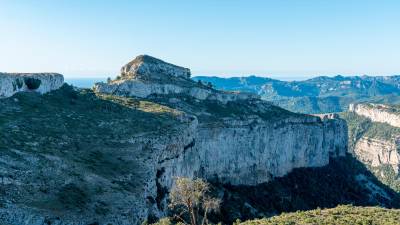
[109, 155]
[147, 76]
[145, 66]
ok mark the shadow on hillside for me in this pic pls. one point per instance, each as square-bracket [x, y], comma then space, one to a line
[305, 189]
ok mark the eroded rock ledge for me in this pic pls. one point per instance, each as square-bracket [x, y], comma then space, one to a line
[11, 83]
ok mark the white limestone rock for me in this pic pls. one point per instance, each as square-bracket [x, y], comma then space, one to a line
[145, 66]
[376, 152]
[11, 83]
[377, 113]
[145, 76]
[254, 151]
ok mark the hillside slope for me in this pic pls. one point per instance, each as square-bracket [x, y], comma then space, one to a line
[76, 157]
[341, 215]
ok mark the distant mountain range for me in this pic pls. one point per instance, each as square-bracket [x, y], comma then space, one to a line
[317, 95]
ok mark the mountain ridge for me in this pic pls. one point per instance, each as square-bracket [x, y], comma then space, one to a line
[315, 95]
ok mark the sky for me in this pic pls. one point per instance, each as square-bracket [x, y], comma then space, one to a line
[276, 38]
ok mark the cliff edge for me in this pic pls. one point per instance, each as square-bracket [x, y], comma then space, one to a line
[11, 83]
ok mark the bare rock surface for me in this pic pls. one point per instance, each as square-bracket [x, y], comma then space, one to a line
[11, 83]
[145, 76]
[376, 152]
[378, 113]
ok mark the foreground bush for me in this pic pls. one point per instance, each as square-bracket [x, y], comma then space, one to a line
[341, 215]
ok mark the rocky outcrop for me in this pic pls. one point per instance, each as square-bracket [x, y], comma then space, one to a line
[145, 76]
[11, 83]
[146, 67]
[378, 113]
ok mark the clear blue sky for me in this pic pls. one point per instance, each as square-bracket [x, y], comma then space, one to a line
[218, 37]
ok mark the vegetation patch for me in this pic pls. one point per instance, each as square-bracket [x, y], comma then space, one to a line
[72, 197]
[80, 137]
[341, 215]
[303, 189]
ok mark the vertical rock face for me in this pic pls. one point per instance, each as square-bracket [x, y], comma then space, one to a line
[252, 151]
[11, 83]
[376, 152]
[378, 113]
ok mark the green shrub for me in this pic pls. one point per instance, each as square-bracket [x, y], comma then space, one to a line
[343, 215]
[163, 221]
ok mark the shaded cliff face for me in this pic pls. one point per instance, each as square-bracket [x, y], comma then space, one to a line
[344, 181]
[11, 83]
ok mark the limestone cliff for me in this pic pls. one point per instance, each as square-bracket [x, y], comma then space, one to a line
[374, 139]
[11, 83]
[237, 138]
[109, 156]
[378, 152]
[378, 113]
